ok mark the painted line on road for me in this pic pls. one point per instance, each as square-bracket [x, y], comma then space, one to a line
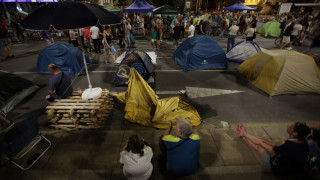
[157, 92]
[168, 70]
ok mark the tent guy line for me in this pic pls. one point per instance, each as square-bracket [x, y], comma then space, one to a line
[173, 70]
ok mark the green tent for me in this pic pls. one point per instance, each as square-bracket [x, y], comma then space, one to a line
[271, 28]
[166, 10]
[111, 9]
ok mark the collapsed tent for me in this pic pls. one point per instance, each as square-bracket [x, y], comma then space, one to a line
[200, 52]
[242, 51]
[271, 28]
[144, 108]
[69, 59]
[282, 72]
[13, 90]
[139, 60]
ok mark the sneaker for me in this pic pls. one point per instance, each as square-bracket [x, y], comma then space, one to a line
[9, 126]
[289, 48]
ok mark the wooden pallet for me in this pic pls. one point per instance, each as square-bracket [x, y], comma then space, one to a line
[75, 113]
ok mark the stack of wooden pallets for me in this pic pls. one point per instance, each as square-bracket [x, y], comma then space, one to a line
[75, 113]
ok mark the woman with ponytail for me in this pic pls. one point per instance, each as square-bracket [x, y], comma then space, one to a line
[136, 158]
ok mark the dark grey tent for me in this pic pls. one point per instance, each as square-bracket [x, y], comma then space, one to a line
[13, 90]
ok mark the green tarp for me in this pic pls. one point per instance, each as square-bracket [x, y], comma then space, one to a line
[271, 28]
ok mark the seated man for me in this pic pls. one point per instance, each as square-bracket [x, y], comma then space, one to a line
[59, 85]
[183, 150]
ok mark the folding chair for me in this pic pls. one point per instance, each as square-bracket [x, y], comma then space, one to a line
[20, 140]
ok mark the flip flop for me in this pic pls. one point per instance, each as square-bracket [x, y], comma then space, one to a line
[239, 129]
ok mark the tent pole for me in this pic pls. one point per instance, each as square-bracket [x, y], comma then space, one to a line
[84, 60]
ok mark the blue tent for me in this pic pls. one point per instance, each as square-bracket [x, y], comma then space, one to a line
[67, 58]
[139, 60]
[239, 7]
[147, 4]
[200, 52]
[138, 6]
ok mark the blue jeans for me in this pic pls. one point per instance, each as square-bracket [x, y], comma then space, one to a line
[231, 40]
[221, 33]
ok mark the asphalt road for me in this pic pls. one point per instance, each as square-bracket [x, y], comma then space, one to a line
[250, 105]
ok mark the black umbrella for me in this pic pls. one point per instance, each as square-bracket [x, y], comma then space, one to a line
[68, 15]
[71, 15]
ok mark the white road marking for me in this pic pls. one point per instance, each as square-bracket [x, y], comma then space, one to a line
[195, 92]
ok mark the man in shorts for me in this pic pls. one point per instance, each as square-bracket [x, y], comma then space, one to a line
[176, 32]
[286, 36]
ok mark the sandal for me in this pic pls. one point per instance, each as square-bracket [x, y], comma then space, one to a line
[240, 127]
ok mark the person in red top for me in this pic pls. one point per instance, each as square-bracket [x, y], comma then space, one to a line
[3, 37]
[87, 38]
[223, 27]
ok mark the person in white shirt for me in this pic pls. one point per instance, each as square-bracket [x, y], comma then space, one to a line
[136, 158]
[127, 29]
[233, 30]
[94, 30]
[296, 32]
[191, 30]
[250, 32]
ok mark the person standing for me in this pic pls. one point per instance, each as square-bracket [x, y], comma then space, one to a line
[3, 43]
[141, 24]
[120, 33]
[94, 30]
[286, 36]
[17, 27]
[250, 33]
[107, 42]
[233, 30]
[191, 30]
[223, 27]
[127, 29]
[87, 38]
[176, 32]
[296, 32]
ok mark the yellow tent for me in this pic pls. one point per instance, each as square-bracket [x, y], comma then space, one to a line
[144, 108]
[282, 72]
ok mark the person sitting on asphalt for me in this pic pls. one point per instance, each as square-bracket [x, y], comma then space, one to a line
[136, 158]
[179, 154]
[60, 85]
[6, 124]
[287, 156]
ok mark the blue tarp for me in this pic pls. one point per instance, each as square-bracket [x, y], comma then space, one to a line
[200, 52]
[67, 58]
[138, 6]
[239, 7]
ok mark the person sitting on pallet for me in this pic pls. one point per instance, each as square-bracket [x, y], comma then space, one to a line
[60, 85]
[179, 154]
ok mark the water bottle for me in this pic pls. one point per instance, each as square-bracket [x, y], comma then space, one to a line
[79, 90]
